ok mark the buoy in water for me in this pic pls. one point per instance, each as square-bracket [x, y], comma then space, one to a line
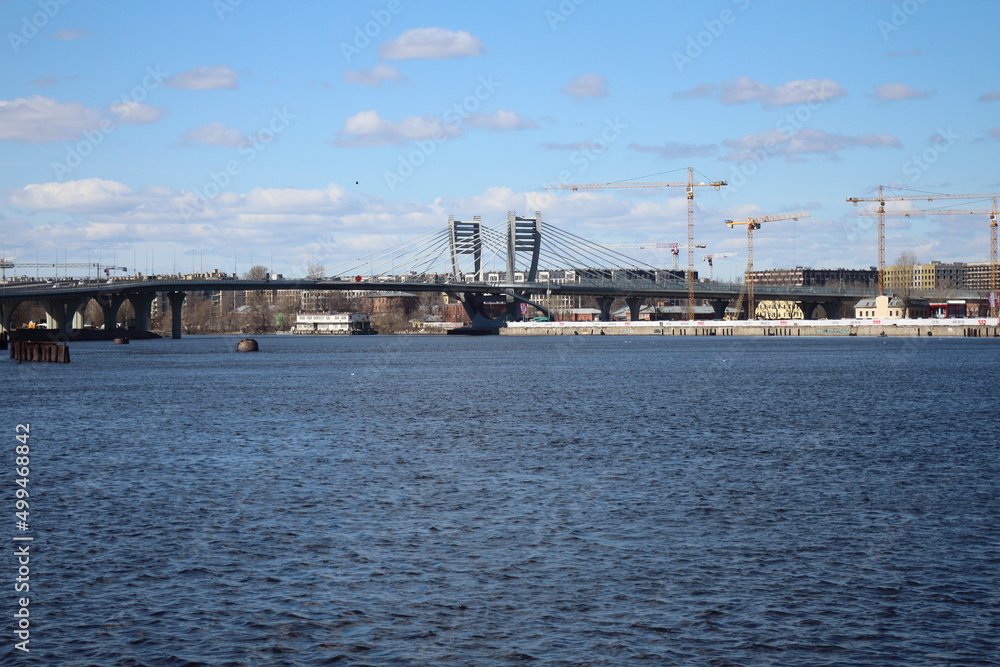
[247, 345]
[121, 341]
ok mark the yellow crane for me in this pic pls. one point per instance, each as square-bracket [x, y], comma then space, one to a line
[753, 224]
[992, 215]
[880, 213]
[690, 185]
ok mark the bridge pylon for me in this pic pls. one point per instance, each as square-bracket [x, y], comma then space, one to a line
[466, 238]
[523, 235]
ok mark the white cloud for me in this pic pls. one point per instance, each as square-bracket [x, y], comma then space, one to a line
[216, 134]
[897, 91]
[91, 195]
[744, 89]
[333, 224]
[431, 43]
[131, 112]
[808, 141]
[503, 120]
[40, 119]
[288, 200]
[213, 77]
[587, 85]
[367, 128]
[375, 76]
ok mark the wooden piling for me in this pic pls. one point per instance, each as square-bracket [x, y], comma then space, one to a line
[21, 350]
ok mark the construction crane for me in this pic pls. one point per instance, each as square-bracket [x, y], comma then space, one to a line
[880, 213]
[992, 214]
[690, 185]
[711, 258]
[753, 223]
[675, 248]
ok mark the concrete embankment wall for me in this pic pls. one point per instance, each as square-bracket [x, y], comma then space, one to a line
[739, 329]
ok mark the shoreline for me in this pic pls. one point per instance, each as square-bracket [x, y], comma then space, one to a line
[953, 328]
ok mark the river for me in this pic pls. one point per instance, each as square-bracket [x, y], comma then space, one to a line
[438, 500]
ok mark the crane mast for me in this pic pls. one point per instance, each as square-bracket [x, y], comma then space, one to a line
[881, 213]
[689, 187]
[753, 224]
[992, 216]
[711, 259]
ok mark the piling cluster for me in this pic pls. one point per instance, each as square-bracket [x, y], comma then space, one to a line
[23, 350]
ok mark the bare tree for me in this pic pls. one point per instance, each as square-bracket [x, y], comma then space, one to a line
[256, 272]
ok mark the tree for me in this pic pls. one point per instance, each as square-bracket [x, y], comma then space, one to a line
[256, 272]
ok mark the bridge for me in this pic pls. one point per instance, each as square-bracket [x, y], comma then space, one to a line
[491, 270]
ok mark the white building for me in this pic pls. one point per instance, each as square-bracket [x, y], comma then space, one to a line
[333, 323]
[891, 308]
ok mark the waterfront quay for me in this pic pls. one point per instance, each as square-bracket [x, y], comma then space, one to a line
[983, 327]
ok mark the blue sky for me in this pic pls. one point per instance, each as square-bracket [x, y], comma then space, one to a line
[318, 131]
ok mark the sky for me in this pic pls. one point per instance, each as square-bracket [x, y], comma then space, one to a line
[223, 133]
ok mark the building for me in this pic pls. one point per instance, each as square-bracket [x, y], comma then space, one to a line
[935, 275]
[951, 308]
[333, 323]
[891, 308]
[977, 276]
[386, 302]
[804, 277]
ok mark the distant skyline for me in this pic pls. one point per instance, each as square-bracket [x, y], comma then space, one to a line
[192, 134]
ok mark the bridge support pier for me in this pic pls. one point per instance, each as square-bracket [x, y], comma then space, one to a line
[720, 309]
[60, 313]
[176, 300]
[141, 305]
[634, 304]
[604, 304]
[7, 309]
[834, 310]
[808, 309]
[110, 305]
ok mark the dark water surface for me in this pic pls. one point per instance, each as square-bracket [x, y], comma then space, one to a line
[567, 500]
